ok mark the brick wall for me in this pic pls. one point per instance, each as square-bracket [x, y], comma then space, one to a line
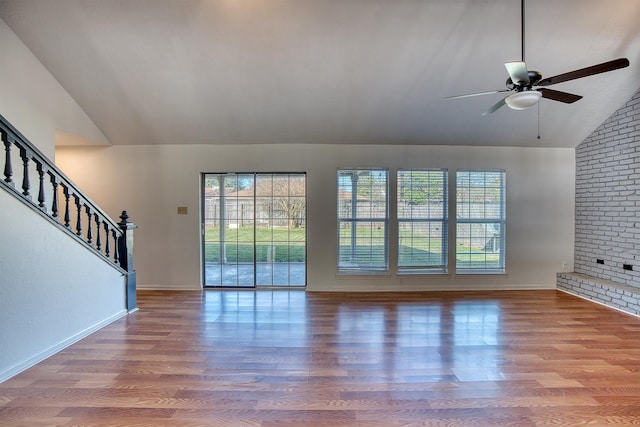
[608, 198]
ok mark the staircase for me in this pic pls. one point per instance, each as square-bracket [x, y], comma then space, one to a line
[66, 267]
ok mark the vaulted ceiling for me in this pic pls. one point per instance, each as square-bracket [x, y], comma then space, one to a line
[329, 71]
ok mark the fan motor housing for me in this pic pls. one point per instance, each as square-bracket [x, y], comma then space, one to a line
[534, 77]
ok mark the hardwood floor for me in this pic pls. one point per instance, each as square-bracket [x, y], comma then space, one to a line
[290, 358]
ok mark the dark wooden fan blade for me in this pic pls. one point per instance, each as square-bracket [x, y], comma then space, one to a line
[495, 107]
[556, 95]
[585, 72]
[518, 72]
[468, 95]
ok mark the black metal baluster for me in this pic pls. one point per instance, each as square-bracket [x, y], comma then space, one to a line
[54, 202]
[89, 228]
[78, 216]
[41, 204]
[98, 240]
[67, 215]
[115, 247]
[8, 169]
[107, 249]
[26, 185]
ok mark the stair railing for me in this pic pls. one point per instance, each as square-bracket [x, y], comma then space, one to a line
[58, 199]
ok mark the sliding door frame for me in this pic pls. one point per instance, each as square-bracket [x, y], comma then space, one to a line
[255, 217]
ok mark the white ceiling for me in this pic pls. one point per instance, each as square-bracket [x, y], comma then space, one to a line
[328, 71]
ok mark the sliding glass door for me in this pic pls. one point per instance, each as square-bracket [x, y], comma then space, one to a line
[254, 229]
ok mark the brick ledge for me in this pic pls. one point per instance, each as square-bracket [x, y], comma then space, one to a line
[612, 294]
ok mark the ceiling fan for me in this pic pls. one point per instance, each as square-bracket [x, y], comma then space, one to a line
[528, 86]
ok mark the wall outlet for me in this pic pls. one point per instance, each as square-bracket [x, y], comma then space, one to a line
[565, 265]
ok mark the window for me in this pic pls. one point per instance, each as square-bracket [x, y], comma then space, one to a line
[480, 230]
[422, 220]
[362, 220]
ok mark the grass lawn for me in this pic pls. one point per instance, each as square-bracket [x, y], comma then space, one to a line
[288, 245]
[271, 245]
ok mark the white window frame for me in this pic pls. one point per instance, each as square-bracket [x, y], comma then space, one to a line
[357, 261]
[408, 216]
[486, 224]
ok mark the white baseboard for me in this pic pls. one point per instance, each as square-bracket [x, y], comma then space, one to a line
[152, 287]
[367, 287]
[34, 360]
[598, 302]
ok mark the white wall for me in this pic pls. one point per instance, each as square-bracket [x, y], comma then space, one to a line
[53, 291]
[150, 182]
[35, 103]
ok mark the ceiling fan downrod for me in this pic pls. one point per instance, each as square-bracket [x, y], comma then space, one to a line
[522, 28]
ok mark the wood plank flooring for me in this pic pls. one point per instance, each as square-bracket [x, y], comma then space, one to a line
[290, 358]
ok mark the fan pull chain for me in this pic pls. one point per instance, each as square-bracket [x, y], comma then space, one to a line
[538, 120]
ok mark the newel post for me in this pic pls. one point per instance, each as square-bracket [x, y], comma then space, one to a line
[125, 248]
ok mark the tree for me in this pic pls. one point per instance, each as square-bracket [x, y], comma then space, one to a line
[421, 187]
[371, 184]
[232, 183]
[288, 196]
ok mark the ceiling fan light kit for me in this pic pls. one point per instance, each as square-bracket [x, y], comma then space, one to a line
[523, 100]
